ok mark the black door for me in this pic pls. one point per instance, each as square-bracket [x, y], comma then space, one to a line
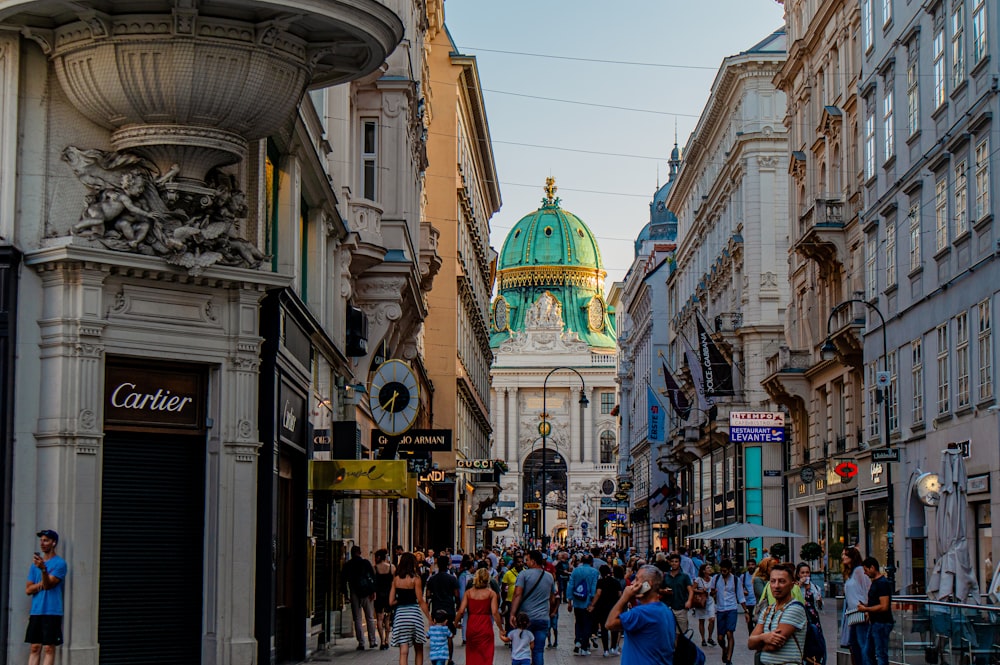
[152, 534]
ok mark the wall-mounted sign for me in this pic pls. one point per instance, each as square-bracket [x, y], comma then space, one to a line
[506, 504]
[498, 524]
[772, 473]
[151, 397]
[885, 455]
[532, 505]
[978, 484]
[321, 440]
[625, 485]
[617, 517]
[474, 465]
[291, 415]
[434, 476]
[621, 496]
[367, 477]
[747, 434]
[877, 470]
[754, 419]
[846, 469]
[415, 440]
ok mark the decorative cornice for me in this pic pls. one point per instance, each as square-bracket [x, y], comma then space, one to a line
[512, 278]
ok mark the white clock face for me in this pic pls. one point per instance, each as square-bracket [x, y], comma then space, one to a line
[595, 314]
[500, 314]
[394, 397]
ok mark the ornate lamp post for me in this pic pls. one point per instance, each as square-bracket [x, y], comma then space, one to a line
[544, 428]
[828, 352]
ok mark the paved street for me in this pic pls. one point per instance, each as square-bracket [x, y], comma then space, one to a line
[344, 651]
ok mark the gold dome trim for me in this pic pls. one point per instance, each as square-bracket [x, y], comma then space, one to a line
[551, 275]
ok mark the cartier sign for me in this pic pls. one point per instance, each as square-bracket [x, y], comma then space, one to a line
[153, 397]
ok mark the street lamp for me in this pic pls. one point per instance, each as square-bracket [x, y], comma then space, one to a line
[829, 352]
[544, 430]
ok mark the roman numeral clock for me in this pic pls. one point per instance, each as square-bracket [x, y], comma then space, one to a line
[394, 397]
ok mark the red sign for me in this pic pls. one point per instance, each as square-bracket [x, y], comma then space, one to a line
[846, 470]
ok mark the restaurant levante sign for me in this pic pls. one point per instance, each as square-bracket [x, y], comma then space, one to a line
[364, 477]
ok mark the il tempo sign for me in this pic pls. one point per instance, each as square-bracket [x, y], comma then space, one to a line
[756, 427]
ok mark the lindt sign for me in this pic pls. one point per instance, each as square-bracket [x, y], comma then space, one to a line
[154, 397]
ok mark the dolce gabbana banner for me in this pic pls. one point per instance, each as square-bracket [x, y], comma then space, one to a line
[151, 397]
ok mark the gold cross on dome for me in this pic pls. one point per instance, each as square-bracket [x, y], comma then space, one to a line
[550, 188]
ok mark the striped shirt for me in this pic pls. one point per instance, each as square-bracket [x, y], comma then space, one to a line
[793, 614]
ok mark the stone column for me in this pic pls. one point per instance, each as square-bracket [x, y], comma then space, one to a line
[513, 436]
[68, 439]
[588, 424]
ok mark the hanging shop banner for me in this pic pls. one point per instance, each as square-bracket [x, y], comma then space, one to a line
[371, 477]
[656, 417]
[474, 465]
[415, 440]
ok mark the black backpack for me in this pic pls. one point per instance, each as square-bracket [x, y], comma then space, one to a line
[686, 651]
[814, 648]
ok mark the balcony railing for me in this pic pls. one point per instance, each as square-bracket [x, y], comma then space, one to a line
[821, 232]
[602, 359]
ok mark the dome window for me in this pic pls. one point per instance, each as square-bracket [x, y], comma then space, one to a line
[517, 233]
[580, 232]
[548, 231]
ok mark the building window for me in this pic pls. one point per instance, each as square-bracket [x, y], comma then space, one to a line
[869, 140]
[941, 213]
[961, 200]
[979, 31]
[983, 179]
[369, 159]
[607, 447]
[943, 371]
[914, 235]
[607, 402]
[887, 121]
[939, 81]
[886, 12]
[985, 351]
[917, 378]
[871, 267]
[912, 97]
[893, 361]
[890, 252]
[963, 361]
[957, 46]
[873, 403]
[867, 36]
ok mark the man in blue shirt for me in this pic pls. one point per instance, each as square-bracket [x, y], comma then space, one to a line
[45, 587]
[649, 627]
[580, 591]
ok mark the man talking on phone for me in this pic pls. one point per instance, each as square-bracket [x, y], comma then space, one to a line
[649, 627]
[45, 586]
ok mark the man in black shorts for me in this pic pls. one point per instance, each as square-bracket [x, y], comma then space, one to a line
[45, 577]
[442, 592]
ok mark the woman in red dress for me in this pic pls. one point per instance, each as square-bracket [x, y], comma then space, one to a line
[484, 610]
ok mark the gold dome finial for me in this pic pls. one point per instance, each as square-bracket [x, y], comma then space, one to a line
[550, 191]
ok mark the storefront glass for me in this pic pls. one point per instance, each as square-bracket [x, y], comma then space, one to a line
[984, 544]
[877, 529]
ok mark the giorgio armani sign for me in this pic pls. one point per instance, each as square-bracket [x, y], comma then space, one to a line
[153, 397]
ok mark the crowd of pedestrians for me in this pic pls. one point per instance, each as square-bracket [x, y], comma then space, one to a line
[621, 606]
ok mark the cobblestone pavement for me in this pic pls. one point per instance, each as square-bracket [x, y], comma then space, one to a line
[344, 651]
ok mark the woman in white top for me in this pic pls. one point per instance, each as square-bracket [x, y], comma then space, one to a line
[704, 582]
[856, 586]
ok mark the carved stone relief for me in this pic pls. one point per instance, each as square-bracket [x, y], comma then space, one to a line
[132, 207]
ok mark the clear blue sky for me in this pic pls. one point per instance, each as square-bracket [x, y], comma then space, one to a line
[611, 193]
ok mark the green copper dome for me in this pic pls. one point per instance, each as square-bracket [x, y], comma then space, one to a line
[552, 251]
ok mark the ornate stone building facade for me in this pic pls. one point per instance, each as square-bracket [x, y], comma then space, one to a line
[193, 246]
[729, 276]
[462, 195]
[824, 397]
[553, 335]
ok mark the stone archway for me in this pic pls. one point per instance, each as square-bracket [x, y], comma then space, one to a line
[554, 468]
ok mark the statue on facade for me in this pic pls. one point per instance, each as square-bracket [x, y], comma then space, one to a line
[132, 208]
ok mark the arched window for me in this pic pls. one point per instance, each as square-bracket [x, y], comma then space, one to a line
[607, 447]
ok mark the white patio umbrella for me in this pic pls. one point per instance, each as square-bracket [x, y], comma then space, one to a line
[953, 579]
[743, 530]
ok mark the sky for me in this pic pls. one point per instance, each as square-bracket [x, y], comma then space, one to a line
[604, 160]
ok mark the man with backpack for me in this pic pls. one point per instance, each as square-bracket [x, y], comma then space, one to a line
[360, 577]
[728, 592]
[780, 635]
[581, 589]
[746, 580]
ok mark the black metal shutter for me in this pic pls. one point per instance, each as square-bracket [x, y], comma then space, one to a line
[152, 534]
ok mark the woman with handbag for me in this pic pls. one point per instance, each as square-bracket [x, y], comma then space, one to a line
[854, 627]
[704, 604]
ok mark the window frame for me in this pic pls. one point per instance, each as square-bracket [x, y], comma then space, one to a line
[982, 157]
[963, 361]
[957, 45]
[940, 90]
[961, 215]
[369, 160]
[984, 340]
[941, 213]
[916, 260]
[943, 336]
[913, 97]
[888, 119]
[870, 156]
[609, 402]
[891, 278]
[917, 380]
[980, 42]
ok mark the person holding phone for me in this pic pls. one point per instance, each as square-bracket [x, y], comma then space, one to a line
[45, 587]
[650, 628]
